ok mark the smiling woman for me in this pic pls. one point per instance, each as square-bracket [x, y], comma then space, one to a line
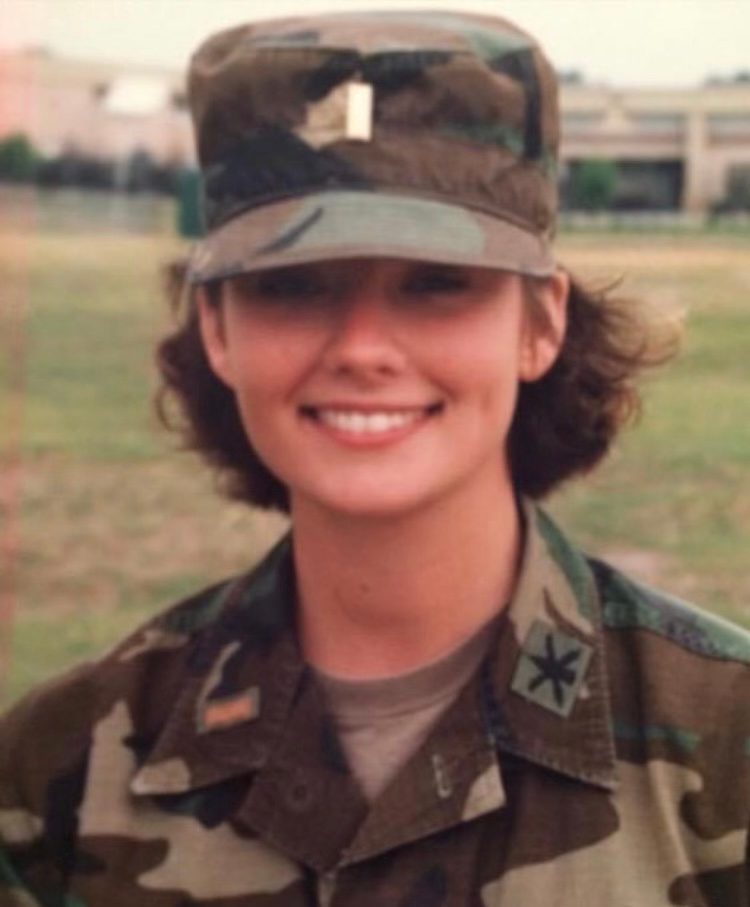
[376, 337]
[565, 421]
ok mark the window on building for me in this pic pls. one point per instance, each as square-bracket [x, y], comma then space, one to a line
[575, 121]
[659, 124]
[729, 125]
[137, 96]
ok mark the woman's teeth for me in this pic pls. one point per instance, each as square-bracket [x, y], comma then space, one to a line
[369, 422]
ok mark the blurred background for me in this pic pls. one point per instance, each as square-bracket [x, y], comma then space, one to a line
[102, 522]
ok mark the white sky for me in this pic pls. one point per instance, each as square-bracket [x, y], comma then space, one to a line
[623, 42]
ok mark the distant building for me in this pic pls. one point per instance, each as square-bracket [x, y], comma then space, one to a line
[104, 110]
[674, 148]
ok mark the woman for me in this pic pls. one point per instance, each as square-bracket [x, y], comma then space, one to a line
[425, 695]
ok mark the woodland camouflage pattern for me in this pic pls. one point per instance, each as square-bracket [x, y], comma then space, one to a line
[461, 162]
[599, 757]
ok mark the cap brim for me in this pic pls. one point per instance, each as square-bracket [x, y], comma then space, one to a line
[351, 224]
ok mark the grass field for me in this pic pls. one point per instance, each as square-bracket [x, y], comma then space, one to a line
[102, 523]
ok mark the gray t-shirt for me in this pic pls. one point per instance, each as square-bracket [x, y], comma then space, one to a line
[382, 722]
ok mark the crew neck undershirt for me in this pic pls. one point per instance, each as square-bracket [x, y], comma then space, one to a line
[381, 723]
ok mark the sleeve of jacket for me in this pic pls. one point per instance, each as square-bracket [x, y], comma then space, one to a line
[43, 760]
[13, 892]
[20, 827]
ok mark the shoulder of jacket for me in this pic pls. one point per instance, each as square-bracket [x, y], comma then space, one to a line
[628, 604]
[68, 707]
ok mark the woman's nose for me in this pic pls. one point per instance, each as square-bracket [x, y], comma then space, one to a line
[364, 336]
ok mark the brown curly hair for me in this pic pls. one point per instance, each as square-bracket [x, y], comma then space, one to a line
[564, 423]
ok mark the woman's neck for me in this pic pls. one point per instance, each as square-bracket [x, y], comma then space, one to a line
[384, 595]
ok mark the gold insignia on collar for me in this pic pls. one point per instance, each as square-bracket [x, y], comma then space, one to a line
[219, 714]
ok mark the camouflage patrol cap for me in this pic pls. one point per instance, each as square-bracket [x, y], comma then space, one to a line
[421, 135]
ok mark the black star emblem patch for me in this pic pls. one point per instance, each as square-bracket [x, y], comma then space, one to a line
[551, 668]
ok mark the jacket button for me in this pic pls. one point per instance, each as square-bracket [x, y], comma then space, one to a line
[299, 796]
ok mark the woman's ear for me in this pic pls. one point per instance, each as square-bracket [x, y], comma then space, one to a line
[213, 334]
[546, 319]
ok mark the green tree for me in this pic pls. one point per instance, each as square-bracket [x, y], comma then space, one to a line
[18, 159]
[594, 184]
[189, 204]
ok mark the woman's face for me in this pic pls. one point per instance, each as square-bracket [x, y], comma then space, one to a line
[376, 386]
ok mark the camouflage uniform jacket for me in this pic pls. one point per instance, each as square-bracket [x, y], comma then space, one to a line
[600, 756]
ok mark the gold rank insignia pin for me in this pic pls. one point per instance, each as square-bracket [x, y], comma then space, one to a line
[219, 714]
[359, 111]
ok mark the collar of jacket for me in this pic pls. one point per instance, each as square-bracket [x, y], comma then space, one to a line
[543, 691]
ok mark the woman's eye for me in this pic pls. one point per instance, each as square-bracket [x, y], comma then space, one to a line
[289, 284]
[283, 285]
[437, 280]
